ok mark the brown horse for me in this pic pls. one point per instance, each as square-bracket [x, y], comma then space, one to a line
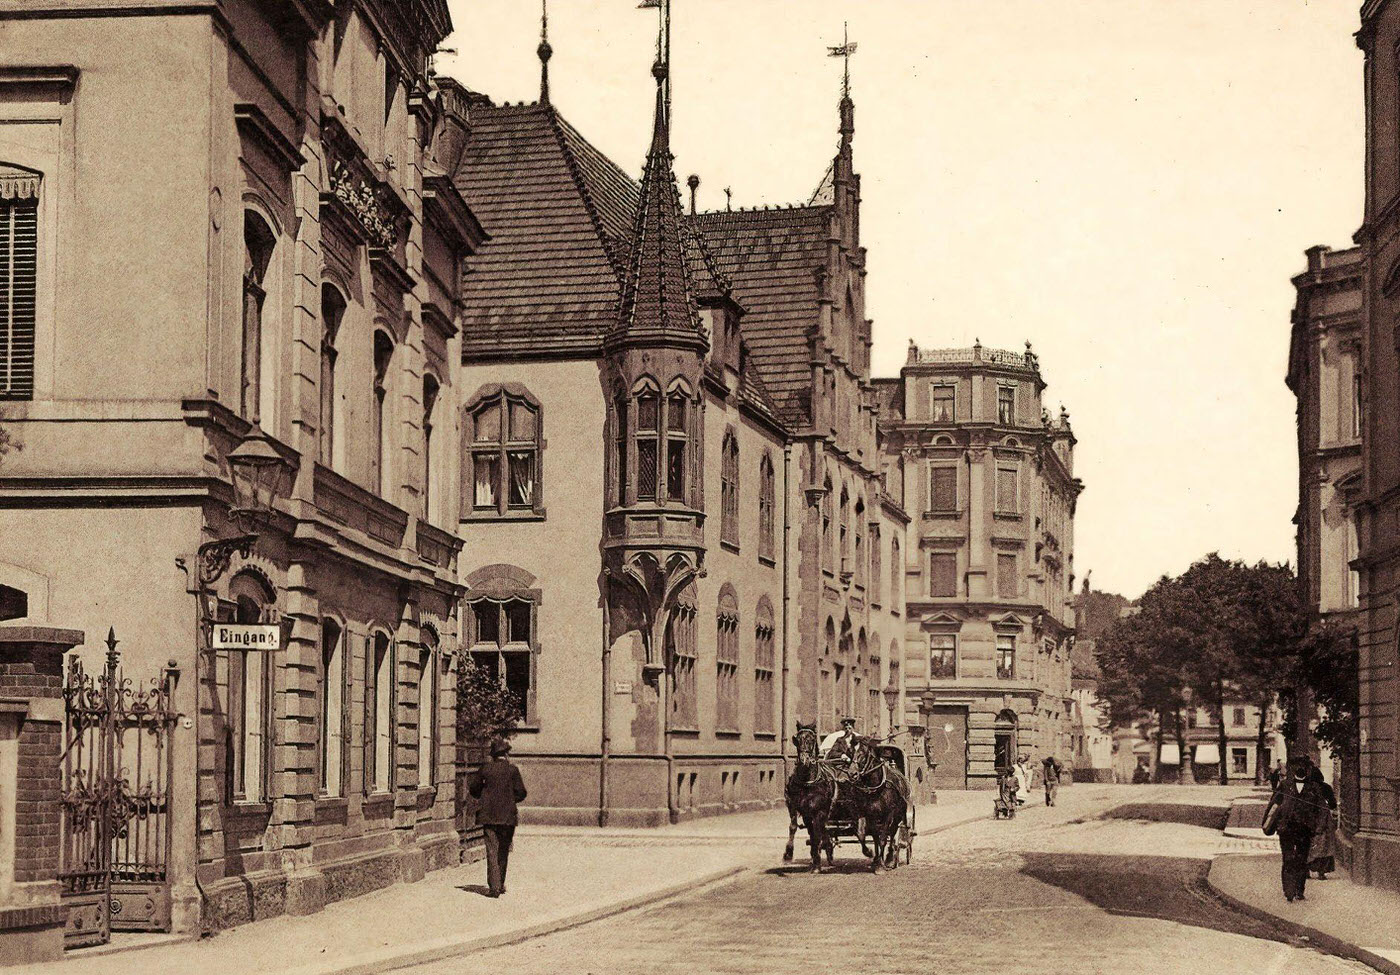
[820, 792]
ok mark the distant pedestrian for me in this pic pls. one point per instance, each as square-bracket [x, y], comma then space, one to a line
[1320, 857]
[499, 787]
[1296, 811]
[1141, 776]
[1022, 771]
[1276, 775]
[1051, 771]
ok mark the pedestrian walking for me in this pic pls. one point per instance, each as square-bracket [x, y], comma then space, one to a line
[1022, 771]
[1320, 853]
[499, 787]
[1051, 772]
[1276, 775]
[1296, 811]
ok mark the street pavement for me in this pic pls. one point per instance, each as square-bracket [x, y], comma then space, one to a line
[1092, 885]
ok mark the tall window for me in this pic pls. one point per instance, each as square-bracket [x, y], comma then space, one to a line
[1008, 585]
[383, 353]
[943, 409]
[943, 488]
[332, 312]
[1237, 717]
[431, 388]
[767, 502]
[1006, 656]
[249, 695]
[258, 242]
[1356, 400]
[872, 690]
[505, 451]
[896, 575]
[827, 550]
[729, 490]
[765, 664]
[845, 550]
[943, 574]
[1239, 761]
[503, 644]
[427, 710]
[1006, 405]
[943, 656]
[379, 714]
[677, 444]
[648, 422]
[727, 663]
[19, 263]
[1008, 490]
[859, 567]
[681, 646]
[876, 580]
[333, 700]
[620, 447]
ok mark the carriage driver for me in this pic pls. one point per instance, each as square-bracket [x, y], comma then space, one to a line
[841, 745]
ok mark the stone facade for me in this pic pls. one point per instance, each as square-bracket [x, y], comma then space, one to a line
[1374, 854]
[265, 244]
[990, 560]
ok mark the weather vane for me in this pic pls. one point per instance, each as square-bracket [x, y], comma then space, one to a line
[845, 49]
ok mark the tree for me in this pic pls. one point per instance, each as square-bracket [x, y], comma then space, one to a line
[485, 707]
[1327, 666]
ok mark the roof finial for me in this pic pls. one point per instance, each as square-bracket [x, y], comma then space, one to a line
[728, 198]
[544, 51]
[693, 181]
[845, 49]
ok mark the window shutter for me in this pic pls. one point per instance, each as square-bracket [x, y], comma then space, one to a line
[1007, 495]
[1008, 586]
[19, 250]
[944, 489]
[943, 574]
[367, 736]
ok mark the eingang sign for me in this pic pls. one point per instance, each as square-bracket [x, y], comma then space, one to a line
[247, 636]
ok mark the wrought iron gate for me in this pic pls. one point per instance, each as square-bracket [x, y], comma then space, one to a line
[117, 766]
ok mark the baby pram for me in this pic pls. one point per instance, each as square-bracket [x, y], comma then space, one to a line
[1004, 806]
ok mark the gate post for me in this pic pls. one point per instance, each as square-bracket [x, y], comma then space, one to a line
[31, 732]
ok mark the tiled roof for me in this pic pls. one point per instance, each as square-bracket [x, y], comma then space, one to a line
[556, 209]
[657, 294]
[771, 257]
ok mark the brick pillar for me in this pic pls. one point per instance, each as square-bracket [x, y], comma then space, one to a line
[31, 729]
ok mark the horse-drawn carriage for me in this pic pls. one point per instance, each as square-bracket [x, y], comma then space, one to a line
[865, 796]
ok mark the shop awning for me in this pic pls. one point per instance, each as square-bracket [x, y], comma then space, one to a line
[1207, 754]
[1171, 755]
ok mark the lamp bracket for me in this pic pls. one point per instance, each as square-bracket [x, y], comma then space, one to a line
[214, 556]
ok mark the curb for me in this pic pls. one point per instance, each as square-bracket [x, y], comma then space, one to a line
[1331, 943]
[389, 959]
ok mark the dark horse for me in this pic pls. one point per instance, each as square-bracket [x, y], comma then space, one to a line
[820, 792]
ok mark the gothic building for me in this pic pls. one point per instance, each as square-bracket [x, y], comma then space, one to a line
[989, 622]
[680, 541]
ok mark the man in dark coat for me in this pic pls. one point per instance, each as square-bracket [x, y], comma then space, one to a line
[498, 787]
[1295, 811]
[1052, 771]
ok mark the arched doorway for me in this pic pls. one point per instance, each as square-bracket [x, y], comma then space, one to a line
[1005, 730]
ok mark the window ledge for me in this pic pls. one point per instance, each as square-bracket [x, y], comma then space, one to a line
[944, 513]
[248, 808]
[767, 560]
[1007, 515]
[683, 730]
[537, 514]
[729, 546]
[766, 735]
[727, 733]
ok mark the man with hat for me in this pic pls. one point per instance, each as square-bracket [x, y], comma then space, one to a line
[1295, 812]
[498, 787]
[841, 744]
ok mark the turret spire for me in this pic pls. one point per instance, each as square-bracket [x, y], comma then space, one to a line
[544, 51]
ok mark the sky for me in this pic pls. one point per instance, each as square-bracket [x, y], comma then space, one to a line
[1128, 184]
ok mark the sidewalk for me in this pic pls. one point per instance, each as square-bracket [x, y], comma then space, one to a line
[1345, 918]
[559, 877]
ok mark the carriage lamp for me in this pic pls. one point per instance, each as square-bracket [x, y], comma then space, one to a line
[891, 699]
[259, 474]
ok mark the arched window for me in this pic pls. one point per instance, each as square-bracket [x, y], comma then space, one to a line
[767, 503]
[502, 635]
[827, 501]
[875, 688]
[19, 268]
[648, 426]
[860, 681]
[826, 689]
[620, 447]
[332, 312]
[677, 445]
[249, 707]
[379, 714]
[431, 388]
[727, 662]
[334, 698]
[379, 411]
[505, 447]
[729, 490]
[427, 709]
[765, 664]
[258, 244]
[681, 651]
[896, 574]
[876, 569]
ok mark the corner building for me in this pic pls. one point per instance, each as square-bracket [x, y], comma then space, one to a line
[989, 477]
[681, 543]
[242, 227]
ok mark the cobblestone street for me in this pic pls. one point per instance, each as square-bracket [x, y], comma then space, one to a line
[1055, 890]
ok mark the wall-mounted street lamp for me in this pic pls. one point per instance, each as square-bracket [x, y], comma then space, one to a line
[260, 475]
[891, 700]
